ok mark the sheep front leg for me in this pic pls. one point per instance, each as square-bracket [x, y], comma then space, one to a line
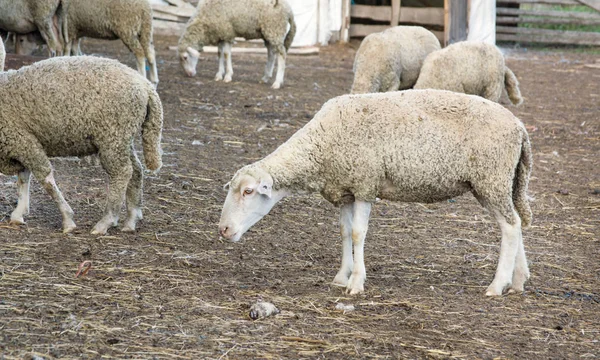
[360, 225]
[134, 194]
[221, 71]
[23, 203]
[229, 70]
[509, 246]
[280, 67]
[346, 215]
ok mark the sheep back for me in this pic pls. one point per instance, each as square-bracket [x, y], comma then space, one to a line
[394, 54]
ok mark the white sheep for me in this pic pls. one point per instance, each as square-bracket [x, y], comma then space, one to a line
[391, 60]
[26, 16]
[219, 22]
[2, 55]
[470, 67]
[83, 106]
[412, 146]
[128, 20]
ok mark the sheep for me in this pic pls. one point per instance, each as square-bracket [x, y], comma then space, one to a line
[436, 145]
[83, 106]
[26, 16]
[218, 22]
[2, 55]
[391, 60]
[470, 67]
[128, 20]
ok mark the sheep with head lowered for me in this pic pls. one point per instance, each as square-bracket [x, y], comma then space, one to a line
[219, 22]
[411, 146]
[470, 67]
[27, 16]
[391, 60]
[83, 106]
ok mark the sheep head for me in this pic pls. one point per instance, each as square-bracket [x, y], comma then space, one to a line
[250, 197]
[188, 57]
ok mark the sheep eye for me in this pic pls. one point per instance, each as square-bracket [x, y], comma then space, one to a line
[248, 191]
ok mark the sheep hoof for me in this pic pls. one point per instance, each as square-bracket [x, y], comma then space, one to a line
[265, 79]
[494, 290]
[355, 291]
[340, 280]
[68, 227]
[276, 85]
[17, 221]
[99, 229]
[218, 77]
[128, 228]
[227, 78]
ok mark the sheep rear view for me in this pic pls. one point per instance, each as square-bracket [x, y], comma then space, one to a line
[84, 106]
[391, 60]
[470, 67]
[219, 22]
[127, 20]
[436, 145]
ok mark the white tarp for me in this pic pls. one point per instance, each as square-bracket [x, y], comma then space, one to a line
[315, 20]
[482, 21]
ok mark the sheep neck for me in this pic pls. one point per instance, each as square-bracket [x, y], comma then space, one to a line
[295, 165]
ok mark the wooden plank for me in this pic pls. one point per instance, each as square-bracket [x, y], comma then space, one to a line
[361, 30]
[455, 21]
[422, 16]
[377, 13]
[549, 13]
[174, 10]
[540, 20]
[180, 3]
[547, 36]
[594, 4]
[549, 2]
[345, 30]
[167, 28]
[395, 12]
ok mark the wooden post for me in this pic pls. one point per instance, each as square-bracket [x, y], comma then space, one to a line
[345, 30]
[455, 21]
[395, 12]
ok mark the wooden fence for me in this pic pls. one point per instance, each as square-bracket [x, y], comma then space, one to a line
[525, 22]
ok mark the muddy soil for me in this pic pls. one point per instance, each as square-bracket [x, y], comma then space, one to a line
[175, 290]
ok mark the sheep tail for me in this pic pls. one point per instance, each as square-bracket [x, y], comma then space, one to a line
[152, 131]
[521, 182]
[290, 35]
[512, 87]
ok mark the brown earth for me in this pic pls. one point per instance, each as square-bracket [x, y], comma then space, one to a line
[175, 290]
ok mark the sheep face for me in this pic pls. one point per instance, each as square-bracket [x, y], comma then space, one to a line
[249, 199]
[189, 60]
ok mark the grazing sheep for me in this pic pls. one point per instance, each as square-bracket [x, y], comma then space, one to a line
[26, 16]
[470, 67]
[2, 55]
[128, 20]
[391, 60]
[83, 106]
[218, 22]
[436, 145]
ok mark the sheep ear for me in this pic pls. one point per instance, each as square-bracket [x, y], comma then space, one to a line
[226, 186]
[193, 52]
[265, 188]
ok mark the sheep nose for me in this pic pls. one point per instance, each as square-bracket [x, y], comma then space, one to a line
[223, 231]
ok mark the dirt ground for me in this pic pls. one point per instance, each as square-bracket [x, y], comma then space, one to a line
[175, 290]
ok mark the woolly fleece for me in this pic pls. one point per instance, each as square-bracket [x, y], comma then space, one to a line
[470, 67]
[127, 20]
[391, 60]
[436, 145]
[76, 107]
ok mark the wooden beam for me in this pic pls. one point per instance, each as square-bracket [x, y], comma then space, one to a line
[345, 30]
[422, 16]
[549, 2]
[174, 10]
[361, 30]
[594, 4]
[544, 20]
[377, 13]
[509, 33]
[395, 12]
[549, 13]
[455, 21]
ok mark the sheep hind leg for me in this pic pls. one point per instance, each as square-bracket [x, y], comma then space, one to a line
[47, 31]
[360, 225]
[134, 45]
[521, 273]
[509, 248]
[270, 62]
[221, 72]
[229, 67]
[343, 275]
[134, 194]
[23, 181]
[119, 168]
[280, 67]
[151, 57]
